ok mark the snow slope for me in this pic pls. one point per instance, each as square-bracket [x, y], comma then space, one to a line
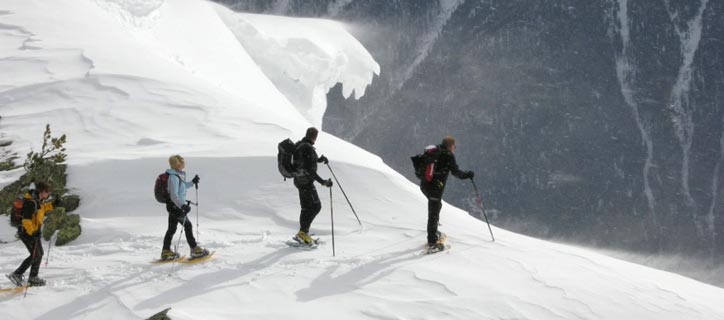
[133, 81]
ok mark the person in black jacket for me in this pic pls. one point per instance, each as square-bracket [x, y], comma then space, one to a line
[305, 162]
[444, 163]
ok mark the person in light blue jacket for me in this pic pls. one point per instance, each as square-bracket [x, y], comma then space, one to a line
[178, 208]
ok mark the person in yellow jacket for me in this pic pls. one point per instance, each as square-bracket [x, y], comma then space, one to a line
[29, 233]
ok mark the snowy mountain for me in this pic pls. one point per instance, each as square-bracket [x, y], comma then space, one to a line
[131, 82]
[599, 122]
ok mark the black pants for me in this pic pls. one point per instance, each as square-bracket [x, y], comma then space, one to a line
[35, 248]
[433, 218]
[176, 217]
[309, 201]
[434, 204]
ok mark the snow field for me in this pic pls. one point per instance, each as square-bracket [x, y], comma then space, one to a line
[132, 82]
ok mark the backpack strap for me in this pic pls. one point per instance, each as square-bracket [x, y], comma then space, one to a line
[179, 185]
[179, 179]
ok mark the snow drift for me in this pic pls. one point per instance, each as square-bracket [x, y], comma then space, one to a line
[131, 82]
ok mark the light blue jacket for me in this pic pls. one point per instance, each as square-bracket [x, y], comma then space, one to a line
[177, 187]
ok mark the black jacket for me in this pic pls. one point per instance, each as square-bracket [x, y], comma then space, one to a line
[444, 165]
[305, 161]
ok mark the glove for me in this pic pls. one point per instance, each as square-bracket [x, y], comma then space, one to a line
[185, 208]
[470, 175]
[328, 183]
[196, 179]
[323, 159]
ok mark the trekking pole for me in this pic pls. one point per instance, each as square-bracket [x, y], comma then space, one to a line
[173, 264]
[480, 203]
[344, 193]
[198, 237]
[331, 213]
[27, 283]
[50, 246]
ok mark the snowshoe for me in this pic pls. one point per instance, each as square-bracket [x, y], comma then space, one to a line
[438, 246]
[198, 252]
[168, 255]
[36, 282]
[435, 247]
[16, 279]
[207, 256]
[161, 261]
[303, 238]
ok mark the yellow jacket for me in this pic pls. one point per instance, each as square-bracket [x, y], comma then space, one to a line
[33, 213]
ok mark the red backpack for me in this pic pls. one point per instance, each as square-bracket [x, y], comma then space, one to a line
[424, 163]
[430, 156]
[16, 215]
[160, 189]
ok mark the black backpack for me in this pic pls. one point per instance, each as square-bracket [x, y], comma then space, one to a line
[424, 163]
[285, 159]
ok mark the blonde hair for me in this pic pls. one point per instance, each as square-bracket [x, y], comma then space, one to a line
[175, 160]
[448, 142]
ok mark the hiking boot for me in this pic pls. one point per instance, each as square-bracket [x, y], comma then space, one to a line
[303, 237]
[35, 282]
[435, 247]
[199, 252]
[16, 279]
[168, 255]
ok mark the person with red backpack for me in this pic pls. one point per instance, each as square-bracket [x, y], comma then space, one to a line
[33, 212]
[177, 207]
[440, 161]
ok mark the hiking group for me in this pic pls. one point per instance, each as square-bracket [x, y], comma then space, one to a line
[299, 161]
[295, 160]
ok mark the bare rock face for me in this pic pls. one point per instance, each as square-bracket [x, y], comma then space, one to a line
[161, 315]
